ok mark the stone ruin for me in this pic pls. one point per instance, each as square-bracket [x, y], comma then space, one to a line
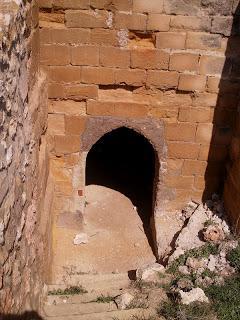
[138, 97]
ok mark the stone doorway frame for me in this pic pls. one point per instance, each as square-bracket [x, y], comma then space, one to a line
[152, 130]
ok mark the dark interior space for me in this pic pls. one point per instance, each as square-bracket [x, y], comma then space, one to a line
[124, 160]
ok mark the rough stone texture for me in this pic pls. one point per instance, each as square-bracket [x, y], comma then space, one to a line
[132, 62]
[23, 165]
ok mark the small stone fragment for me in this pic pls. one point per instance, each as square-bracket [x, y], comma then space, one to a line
[213, 233]
[194, 295]
[150, 273]
[124, 300]
[81, 238]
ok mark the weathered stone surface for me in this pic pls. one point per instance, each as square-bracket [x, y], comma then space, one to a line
[194, 295]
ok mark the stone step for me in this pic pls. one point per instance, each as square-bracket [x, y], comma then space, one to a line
[82, 298]
[118, 315]
[78, 309]
[96, 282]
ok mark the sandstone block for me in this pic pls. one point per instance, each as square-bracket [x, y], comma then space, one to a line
[71, 4]
[64, 36]
[66, 144]
[55, 55]
[103, 37]
[204, 133]
[179, 182]
[158, 22]
[56, 124]
[65, 74]
[114, 57]
[180, 131]
[154, 6]
[189, 82]
[184, 62]
[213, 153]
[194, 167]
[212, 65]
[182, 7]
[162, 79]
[74, 125]
[120, 5]
[81, 91]
[86, 19]
[183, 150]
[56, 90]
[67, 107]
[85, 55]
[222, 25]
[203, 41]
[172, 40]
[149, 59]
[188, 114]
[118, 109]
[130, 21]
[205, 100]
[132, 77]
[95, 75]
[190, 23]
[213, 84]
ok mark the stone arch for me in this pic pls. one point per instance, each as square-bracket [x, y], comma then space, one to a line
[152, 130]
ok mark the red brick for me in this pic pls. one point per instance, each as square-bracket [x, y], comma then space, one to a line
[183, 150]
[158, 22]
[172, 40]
[132, 77]
[184, 62]
[65, 74]
[86, 19]
[118, 109]
[189, 82]
[75, 125]
[162, 79]
[58, 55]
[131, 21]
[85, 55]
[149, 59]
[194, 167]
[114, 57]
[180, 131]
[95, 75]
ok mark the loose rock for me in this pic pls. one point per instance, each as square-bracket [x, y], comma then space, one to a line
[195, 295]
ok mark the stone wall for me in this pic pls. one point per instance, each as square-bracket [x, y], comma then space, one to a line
[23, 160]
[172, 61]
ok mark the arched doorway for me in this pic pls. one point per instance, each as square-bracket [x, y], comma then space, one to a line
[125, 161]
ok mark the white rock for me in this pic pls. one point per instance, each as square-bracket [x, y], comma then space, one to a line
[124, 300]
[212, 262]
[81, 238]
[176, 254]
[150, 273]
[183, 270]
[194, 295]
[189, 236]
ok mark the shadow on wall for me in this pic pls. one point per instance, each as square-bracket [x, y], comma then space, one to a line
[28, 315]
[226, 109]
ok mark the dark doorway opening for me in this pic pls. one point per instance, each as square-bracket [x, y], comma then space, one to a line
[125, 161]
